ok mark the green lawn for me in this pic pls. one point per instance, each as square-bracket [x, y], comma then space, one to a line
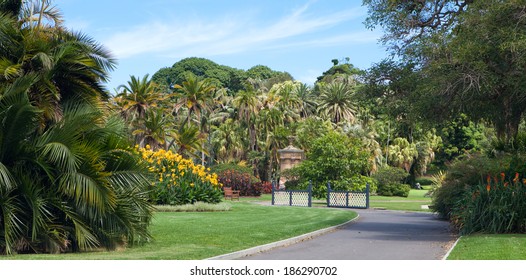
[200, 235]
[490, 247]
[413, 202]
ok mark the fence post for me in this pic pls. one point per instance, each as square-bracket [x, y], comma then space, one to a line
[290, 197]
[273, 192]
[329, 191]
[347, 194]
[367, 189]
[310, 194]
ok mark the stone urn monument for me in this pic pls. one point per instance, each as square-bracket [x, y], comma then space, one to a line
[288, 158]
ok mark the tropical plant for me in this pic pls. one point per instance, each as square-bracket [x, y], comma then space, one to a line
[74, 186]
[402, 153]
[337, 102]
[68, 66]
[498, 206]
[196, 94]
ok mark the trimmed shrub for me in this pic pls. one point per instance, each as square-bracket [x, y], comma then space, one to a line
[395, 189]
[390, 181]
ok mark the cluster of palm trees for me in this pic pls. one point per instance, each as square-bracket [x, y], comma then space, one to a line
[202, 121]
[68, 178]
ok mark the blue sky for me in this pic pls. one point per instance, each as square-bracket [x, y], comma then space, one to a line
[297, 36]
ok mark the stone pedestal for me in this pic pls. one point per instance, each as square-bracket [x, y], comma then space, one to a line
[288, 158]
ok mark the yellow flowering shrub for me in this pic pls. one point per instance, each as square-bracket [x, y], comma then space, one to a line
[178, 180]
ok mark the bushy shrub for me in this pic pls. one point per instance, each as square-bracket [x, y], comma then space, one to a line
[244, 182]
[333, 157]
[463, 174]
[390, 181]
[179, 181]
[395, 189]
[265, 187]
[499, 206]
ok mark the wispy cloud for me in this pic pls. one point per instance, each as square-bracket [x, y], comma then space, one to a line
[233, 34]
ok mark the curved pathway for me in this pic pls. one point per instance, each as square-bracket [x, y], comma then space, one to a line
[376, 235]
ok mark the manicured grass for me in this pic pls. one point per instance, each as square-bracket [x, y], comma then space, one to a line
[413, 202]
[490, 247]
[186, 236]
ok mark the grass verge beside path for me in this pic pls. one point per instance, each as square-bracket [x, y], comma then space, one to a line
[490, 247]
[413, 202]
[187, 236]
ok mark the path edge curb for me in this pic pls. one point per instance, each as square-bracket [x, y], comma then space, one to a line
[451, 249]
[281, 243]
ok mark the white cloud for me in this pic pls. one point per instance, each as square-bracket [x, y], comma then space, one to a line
[233, 35]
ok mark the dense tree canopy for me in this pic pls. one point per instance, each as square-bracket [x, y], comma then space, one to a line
[466, 57]
[224, 76]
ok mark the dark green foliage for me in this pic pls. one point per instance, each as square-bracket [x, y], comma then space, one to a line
[501, 209]
[463, 174]
[345, 69]
[424, 181]
[460, 136]
[333, 157]
[223, 76]
[467, 57]
[68, 178]
[10, 7]
[390, 181]
[73, 187]
[394, 189]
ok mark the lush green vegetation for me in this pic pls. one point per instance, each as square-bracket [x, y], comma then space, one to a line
[490, 247]
[69, 180]
[200, 235]
[81, 169]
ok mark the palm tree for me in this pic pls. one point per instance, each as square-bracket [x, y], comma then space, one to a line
[307, 99]
[68, 179]
[188, 141]
[137, 97]
[68, 66]
[196, 94]
[402, 153]
[248, 105]
[74, 186]
[336, 101]
[284, 96]
[139, 103]
[154, 130]
[227, 140]
[36, 12]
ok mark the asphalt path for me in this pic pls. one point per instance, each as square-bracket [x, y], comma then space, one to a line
[375, 235]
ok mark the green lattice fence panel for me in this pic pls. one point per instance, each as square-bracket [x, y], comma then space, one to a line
[292, 197]
[348, 199]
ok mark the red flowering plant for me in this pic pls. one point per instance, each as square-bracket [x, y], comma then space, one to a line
[497, 206]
